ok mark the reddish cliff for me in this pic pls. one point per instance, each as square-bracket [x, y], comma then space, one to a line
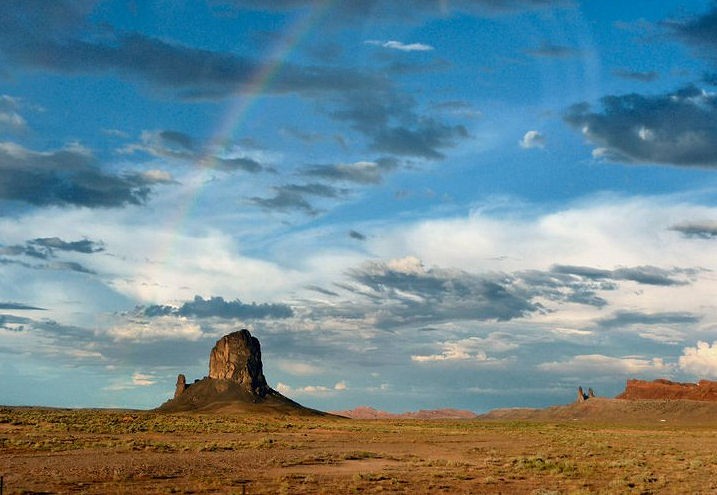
[704, 390]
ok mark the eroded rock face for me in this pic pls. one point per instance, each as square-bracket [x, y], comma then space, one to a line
[704, 390]
[237, 357]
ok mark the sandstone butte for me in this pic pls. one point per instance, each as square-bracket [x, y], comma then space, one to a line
[704, 390]
[236, 383]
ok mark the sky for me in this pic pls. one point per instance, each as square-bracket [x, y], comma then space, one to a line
[413, 205]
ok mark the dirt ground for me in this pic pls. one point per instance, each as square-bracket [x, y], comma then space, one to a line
[115, 452]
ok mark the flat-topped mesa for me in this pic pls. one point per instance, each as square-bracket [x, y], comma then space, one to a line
[704, 390]
[237, 357]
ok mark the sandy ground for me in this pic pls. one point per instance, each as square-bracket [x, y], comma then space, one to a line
[84, 451]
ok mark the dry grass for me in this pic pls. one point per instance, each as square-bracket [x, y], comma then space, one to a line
[87, 451]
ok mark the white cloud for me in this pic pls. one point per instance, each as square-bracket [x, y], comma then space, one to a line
[311, 390]
[12, 120]
[600, 365]
[532, 139]
[161, 328]
[299, 368]
[398, 45]
[143, 379]
[701, 360]
[469, 349]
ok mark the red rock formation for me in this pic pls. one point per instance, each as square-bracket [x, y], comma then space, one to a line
[704, 390]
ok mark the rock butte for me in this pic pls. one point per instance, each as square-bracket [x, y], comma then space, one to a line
[236, 383]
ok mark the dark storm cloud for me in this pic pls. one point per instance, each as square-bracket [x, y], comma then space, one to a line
[217, 307]
[548, 50]
[636, 75]
[627, 318]
[699, 230]
[678, 128]
[67, 177]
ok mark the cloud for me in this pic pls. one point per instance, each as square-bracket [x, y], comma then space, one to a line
[299, 368]
[598, 365]
[622, 319]
[636, 75]
[357, 96]
[45, 247]
[697, 230]
[181, 146]
[217, 307]
[700, 31]
[364, 173]
[471, 349]
[377, 10]
[143, 379]
[193, 72]
[424, 140]
[532, 139]
[398, 45]
[285, 200]
[67, 177]
[85, 246]
[158, 329]
[18, 306]
[648, 275]
[357, 235]
[548, 50]
[311, 390]
[678, 128]
[403, 292]
[701, 360]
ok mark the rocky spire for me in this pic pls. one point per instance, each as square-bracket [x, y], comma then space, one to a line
[237, 357]
[181, 385]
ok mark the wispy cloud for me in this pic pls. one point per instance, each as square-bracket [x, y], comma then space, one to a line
[398, 45]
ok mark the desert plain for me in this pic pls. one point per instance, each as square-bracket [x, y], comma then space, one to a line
[599, 446]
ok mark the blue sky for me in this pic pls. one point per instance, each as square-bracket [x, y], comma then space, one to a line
[470, 204]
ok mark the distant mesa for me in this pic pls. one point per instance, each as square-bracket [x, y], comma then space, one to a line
[236, 383]
[704, 390]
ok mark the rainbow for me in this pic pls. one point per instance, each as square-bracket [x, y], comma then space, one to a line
[240, 105]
